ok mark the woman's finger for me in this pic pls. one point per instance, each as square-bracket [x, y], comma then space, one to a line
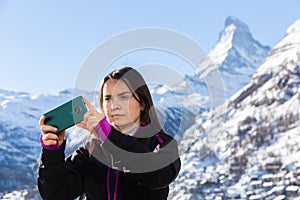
[51, 136]
[42, 120]
[50, 139]
[61, 137]
[88, 104]
[46, 128]
[93, 110]
[87, 115]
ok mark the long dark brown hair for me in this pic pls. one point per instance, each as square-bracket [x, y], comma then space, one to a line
[137, 85]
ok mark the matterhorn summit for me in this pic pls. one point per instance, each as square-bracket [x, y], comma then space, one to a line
[237, 55]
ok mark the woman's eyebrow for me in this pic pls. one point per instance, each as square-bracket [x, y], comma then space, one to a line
[122, 93]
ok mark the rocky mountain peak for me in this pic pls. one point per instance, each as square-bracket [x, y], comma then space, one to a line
[237, 55]
[236, 22]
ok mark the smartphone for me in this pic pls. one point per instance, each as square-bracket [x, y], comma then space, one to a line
[66, 115]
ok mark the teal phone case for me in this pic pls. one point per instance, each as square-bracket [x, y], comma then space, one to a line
[67, 114]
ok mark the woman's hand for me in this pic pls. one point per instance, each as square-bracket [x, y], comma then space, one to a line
[48, 138]
[91, 118]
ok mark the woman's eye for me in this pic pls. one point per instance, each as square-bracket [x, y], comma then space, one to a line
[107, 98]
[124, 97]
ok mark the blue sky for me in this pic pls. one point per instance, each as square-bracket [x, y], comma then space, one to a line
[43, 44]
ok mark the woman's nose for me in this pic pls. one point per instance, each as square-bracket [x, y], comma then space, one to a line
[115, 104]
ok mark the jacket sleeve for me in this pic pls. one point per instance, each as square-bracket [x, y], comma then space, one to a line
[60, 179]
[153, 168]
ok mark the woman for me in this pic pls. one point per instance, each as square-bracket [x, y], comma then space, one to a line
[130, 156]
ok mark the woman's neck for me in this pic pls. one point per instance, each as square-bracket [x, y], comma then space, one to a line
[129, 131]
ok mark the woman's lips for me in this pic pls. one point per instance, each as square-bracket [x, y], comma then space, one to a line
[116, 115]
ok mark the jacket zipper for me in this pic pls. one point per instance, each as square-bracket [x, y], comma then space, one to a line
[116, 184]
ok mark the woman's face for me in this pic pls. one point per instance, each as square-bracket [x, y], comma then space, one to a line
[120, 107]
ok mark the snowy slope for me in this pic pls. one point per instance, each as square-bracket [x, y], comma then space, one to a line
[237, 55]
[249, 148]
[19, 133]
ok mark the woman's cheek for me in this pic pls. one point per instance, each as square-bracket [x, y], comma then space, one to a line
[106, 110]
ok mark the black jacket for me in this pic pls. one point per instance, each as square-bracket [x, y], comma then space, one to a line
[122, 168]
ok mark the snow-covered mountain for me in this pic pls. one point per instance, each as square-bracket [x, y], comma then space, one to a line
[19, 133]
[236, 56]
[249, 147]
